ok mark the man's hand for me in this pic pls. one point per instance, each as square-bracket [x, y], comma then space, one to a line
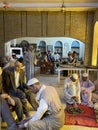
[11, 101]
[4, 96]
[84, 91]
[24, 123]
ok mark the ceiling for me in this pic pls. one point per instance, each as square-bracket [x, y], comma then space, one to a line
[49, 1]
[49, 5]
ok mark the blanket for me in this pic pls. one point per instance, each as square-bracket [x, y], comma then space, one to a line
[87, 118]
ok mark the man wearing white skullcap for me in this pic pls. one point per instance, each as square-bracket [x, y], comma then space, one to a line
[87, 86]
[75, 76]
[50, 114]
[85, 75]
[72, 89]
[95, 93]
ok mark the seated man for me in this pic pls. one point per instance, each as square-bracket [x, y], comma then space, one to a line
[42, 66]
[10, 78]
[87, 86]
[13, 102]
[23, 87]
[14, 84]
[6, 115]
[72, 89]
[49, 65]
[56, 57]
[95, 92]
[70, 58]
[50, 114]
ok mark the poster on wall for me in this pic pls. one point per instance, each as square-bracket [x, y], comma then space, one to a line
[50, 48]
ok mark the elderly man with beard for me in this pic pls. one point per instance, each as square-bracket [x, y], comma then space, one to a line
[95, 92]
[49, 114]
[87, 87]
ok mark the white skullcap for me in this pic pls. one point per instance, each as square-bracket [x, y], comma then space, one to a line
[85, 75]
[75, 76]
[32, 81]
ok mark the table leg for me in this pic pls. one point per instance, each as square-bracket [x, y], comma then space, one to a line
[58, 76]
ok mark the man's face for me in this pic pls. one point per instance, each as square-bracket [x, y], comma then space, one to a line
[84, 78]
[73, 80]
[34, 88]
[19, 66]
[31, 48]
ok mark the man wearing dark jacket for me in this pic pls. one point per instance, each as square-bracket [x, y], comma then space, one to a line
[13, 102]
[10, 76]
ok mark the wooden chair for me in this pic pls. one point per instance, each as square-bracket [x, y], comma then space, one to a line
[42, 67]
[50, 67]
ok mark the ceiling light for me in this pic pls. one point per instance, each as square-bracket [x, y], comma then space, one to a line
[5, 5]
[63, 6]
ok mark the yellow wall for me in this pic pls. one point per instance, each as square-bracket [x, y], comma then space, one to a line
[95, 45]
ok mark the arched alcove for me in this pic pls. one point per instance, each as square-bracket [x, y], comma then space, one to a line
[75, 46]
[58, 47]
[42, 47]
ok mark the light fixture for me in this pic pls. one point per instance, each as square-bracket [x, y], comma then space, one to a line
[5, 5]
[63, 7]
